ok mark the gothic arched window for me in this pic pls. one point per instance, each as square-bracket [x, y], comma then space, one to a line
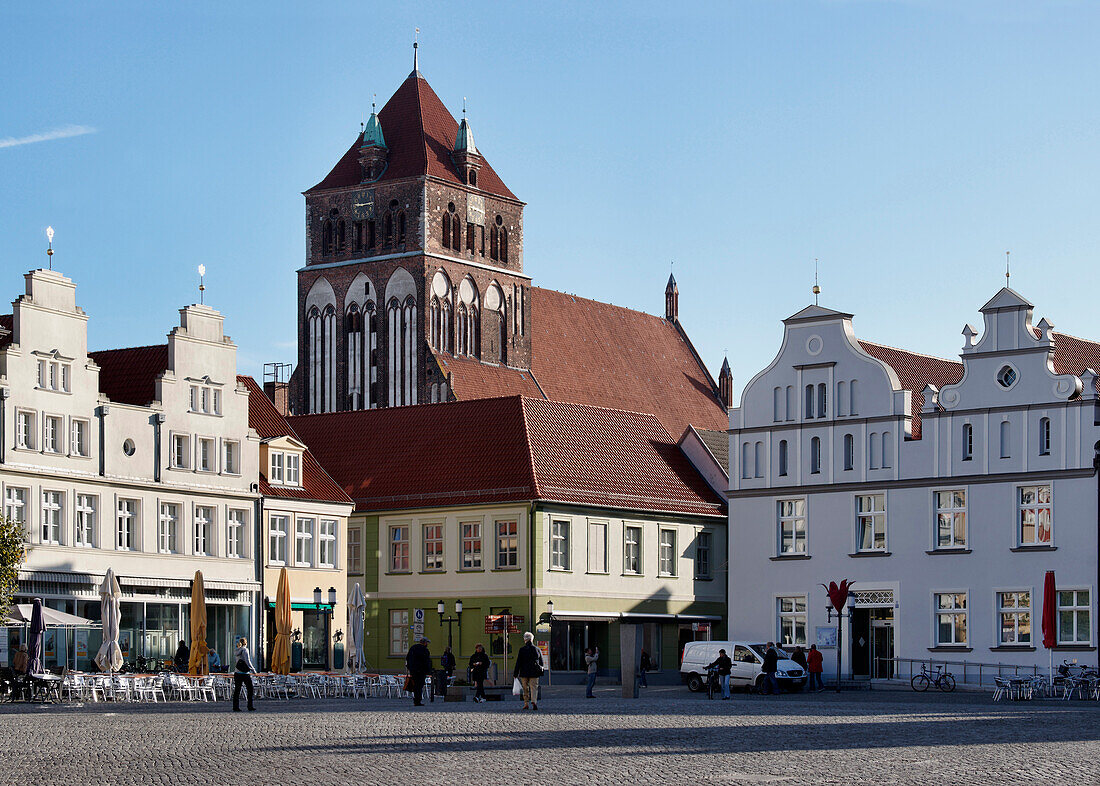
[340, 236]
[494, 243]
[435, 324]
[353, 327]
[314, 325]
[503, 245]
[326, 238]
[401, 227]
[462, 323]
[446, 230]
[387, 230]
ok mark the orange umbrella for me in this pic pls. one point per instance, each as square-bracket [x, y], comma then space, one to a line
[280, 656]
[199, 663]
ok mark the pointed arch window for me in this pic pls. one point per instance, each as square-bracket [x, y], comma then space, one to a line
[353, 326]
[340, 236]
[326, 238]
[503, 244]
[314, 327]
[494, 243]
[435, 324]
[401, 228]
[387, 230]
[446, 230]
[322, 359]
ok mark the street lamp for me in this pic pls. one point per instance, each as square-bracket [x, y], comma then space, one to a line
[841, 615]
[441, 607]
[317, 596]
[332, 596]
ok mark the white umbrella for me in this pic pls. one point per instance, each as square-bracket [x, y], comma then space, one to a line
[356, 603]
[109, 657]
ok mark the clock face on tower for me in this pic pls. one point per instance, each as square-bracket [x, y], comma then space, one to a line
[362, 204]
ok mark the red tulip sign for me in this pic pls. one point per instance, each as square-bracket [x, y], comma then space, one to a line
[838, 593]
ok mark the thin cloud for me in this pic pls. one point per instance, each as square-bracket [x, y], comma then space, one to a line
[46, 136]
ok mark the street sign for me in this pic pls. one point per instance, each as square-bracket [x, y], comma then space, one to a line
[418, 615]
[494, 623]
[418, 628]
[700, 627]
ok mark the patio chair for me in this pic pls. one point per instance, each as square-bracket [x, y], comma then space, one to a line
[205, 689]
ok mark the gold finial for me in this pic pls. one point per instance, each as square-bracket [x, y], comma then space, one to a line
[49, 247]
[1008, 271]
[202, 286]
[817, 289]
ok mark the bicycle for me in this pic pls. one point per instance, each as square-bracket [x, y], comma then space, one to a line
[713, 683]
[942, 680]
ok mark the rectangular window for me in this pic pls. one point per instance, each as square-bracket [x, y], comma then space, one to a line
[1044, 436]
[849, 452]
[951, 519]
[950, 619]
[1035, 516]
[433, 547]
[277, 531]
[42, 374]
[52, 509]
[507, 544]
[24, 430]
[303, 542]
[471, 545]
[399, 631]
[236, 532]
[1014, 618]
[126, 524]
[181, 451]
[792, 621]
[632, 550]
[871, 522]
[194, 398]
[206, 455]
[217, 396]
[85, 520]
[791, 526]
[51, 442]
[597, 547]
[15, 506]
[54, 376]
[666, 553]
[355, 564]
[168, 528]
[967, 442]
[326, 545]
[205, 399]
[399, 549]
[78, 441]
[559, 545]
[276, 475]
[204, 529]
[293, 469]
[231, 462]
[1074, 617]
[702, 555]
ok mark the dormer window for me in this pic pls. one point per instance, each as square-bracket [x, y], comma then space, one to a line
[54, 375]
[285, 468]
[206, 400]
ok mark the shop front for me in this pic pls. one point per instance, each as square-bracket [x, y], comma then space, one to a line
[312, 645]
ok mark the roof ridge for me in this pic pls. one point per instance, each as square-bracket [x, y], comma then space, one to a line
[649, 415]
[127, 349]
[910, 352]
[537, 494]
[604, 303]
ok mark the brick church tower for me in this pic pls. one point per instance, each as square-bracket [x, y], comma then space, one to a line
[414, 254]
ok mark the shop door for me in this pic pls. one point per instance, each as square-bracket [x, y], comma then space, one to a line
[882, 647]
[861, 642]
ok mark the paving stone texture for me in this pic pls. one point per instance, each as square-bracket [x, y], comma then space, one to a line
[669, 737]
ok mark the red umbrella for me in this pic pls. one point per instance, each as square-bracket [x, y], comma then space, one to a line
[1050, 618]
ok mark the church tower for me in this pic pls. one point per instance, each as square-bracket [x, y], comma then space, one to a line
[414, 263]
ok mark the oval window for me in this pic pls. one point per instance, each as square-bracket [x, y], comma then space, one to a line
[128, 447]
[1006, 377]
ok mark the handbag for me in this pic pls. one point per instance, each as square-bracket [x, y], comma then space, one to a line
[517, 689]
[409, 684]
[241, 666]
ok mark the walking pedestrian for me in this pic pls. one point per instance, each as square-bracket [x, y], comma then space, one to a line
[799, 656]
[418, 661]
[771, 665]
[645, 665]
[479, 670]
[529, 668]
[242, 675]
[447, 662]
[591, 659]
[724, 666]
[813, 666]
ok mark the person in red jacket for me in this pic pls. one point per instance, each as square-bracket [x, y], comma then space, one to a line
[813, 666]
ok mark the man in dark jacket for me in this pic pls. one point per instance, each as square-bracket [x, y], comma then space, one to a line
[479, 669]
[771, 665]
[419, 663]
[528, 670]
[724, 666]
[644, 665]
[182, 658]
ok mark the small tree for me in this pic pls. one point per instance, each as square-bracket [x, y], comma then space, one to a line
[13, 550]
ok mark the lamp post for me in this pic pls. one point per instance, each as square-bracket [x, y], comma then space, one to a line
[849, 606]
[441, 608]
[550, 622]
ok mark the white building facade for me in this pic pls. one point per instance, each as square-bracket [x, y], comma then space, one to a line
[944, 491]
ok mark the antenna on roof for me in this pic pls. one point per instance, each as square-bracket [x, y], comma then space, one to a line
[202, 286]
[817, 289]
[1008, 271]
[416, 45]
[463, 107]
[49, 247]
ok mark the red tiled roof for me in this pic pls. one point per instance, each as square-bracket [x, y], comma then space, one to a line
[7, 325]
[506, 449]
[420, 135]
[1073, 355]
[915, 372]
[269, 424]
[474, 379]
[129, 376]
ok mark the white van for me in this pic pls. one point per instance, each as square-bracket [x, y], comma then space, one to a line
[748, 662]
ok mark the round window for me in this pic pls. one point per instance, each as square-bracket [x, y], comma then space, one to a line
[450, 207]
[128, 447]
[1006, 377]
[500, 221]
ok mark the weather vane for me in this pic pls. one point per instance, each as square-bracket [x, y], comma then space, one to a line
[1008, 271]
[202, 286]
[416, 45]
[817, 289]
[49, 247]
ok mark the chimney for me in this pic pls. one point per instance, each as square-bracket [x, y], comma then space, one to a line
[277, 385]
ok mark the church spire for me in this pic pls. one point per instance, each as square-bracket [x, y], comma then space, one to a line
[466, 156]
[725, 384]
[672, 300]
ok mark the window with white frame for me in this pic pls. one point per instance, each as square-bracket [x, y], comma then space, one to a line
[52, 510]
[791, 620]
[783, 458]
[791, 526]
[181, 451]
[1006, 439]
[51, 434]
[355, 550]
[1074, 617]
[293, 469]
[666, 552]
[507, 544]
[597, 547]
[204, 530]
[399, 549]
[236, 531]
[433, 547]
[951, 619]
[205, 399]
[702, 555]
[471, 545]
[399, 631]
[1035, 521]
[1014, 618]
[303, 542]
[815, 455]
[231, 457]
[25, 429]
[632, 550]
[15, 505]
[54, 375]
[126, 522]
[277, 532]
[849, 451]
[206, 455]
[559, 545]
[85, 520]
[1044, 436]
[168, 528]
[78, 439]
[967, 442]
[275, 460]
[326, 544]
[871, 522]
[951, 519]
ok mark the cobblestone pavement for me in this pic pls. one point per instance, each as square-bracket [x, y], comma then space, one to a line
[669, 736]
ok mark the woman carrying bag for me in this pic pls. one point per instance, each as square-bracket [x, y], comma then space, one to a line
[528, 670]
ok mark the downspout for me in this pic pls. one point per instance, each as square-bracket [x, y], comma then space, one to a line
[104, 410]
[257, 536]
[4, 393]
[158, 421]
[531, 562]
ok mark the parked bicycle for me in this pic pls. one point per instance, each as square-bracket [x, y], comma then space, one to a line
[714, 683]
[941, 679]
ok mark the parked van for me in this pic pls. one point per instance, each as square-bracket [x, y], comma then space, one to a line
[748, 663]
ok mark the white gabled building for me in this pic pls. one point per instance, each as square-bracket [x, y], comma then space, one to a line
[944, 490]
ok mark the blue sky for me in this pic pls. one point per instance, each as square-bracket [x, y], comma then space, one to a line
[907, 145]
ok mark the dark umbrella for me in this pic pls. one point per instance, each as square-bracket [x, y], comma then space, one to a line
[1050, 620]
[36, 640]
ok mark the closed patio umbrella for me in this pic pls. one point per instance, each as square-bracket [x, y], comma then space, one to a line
[280, 655]
[199, 663]
[1050, 620]
[36, 640]
[109, 657]
[356, 604]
